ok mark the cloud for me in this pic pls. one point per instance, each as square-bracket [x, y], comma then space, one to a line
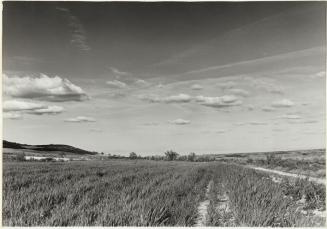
[47, 110]
[221, 131]
[142, 83]
[117, 72]
[30, 108]
[150, 98]
[54, 89]
[226, 85]
[196, 87]
[12, 115]
[116, 84]
[223, 101]
[250, 107]
[160, 85]
[181, 98]
[180, 122]
[268, 109]
[321, 74]
[257, 123]
[151, 124]
[283, 103]
[240, 92]
[289, 116]
[239, 124]
[80, 119]
[77, 30]
[310, 121]
[266, 84]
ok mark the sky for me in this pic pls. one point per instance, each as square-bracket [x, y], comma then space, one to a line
[148, 77]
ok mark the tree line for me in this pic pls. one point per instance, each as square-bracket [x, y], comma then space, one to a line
[169, 155]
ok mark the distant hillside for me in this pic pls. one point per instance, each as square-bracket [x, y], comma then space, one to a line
[51, 147]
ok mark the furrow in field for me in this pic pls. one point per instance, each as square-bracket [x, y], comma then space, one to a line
[203, 209]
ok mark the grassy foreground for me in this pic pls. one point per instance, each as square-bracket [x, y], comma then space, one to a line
[149, 193]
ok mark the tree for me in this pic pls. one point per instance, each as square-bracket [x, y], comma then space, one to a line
[171, 155]
[132, 155]
[191, 157]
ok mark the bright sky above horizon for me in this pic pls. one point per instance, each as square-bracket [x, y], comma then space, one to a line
[149, 77]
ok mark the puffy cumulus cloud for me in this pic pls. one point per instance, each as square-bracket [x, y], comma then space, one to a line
[116, 84]
[268, 109]
[12, 115]
[19, 107]
[223, 101]
[180, 122]
[240, 92]
[196, 87]
[54, 89]
[226, 85]
[80, 119]
[283, 103]
[181, 98]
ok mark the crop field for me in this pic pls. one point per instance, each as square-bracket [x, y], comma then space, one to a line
[154, 193]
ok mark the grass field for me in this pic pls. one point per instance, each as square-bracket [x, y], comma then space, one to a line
[305, 162]
[150, 193]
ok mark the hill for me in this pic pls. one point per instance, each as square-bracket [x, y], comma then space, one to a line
[50, 147]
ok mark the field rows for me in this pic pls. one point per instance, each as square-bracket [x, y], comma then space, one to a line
[148, 193]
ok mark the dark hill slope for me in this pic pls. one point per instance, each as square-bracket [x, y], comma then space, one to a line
[50, 147]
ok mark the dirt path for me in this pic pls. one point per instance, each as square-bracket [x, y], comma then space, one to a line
[313, 179]
[203, 209]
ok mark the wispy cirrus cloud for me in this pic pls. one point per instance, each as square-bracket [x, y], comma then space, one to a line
[80, 119]
[78, 34]
[116, 84]
[180, 98]
[54, 89]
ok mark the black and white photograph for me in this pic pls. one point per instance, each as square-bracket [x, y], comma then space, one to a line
[164, 114]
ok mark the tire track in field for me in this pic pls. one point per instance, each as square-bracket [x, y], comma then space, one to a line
[203, 208]
[313, 179]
